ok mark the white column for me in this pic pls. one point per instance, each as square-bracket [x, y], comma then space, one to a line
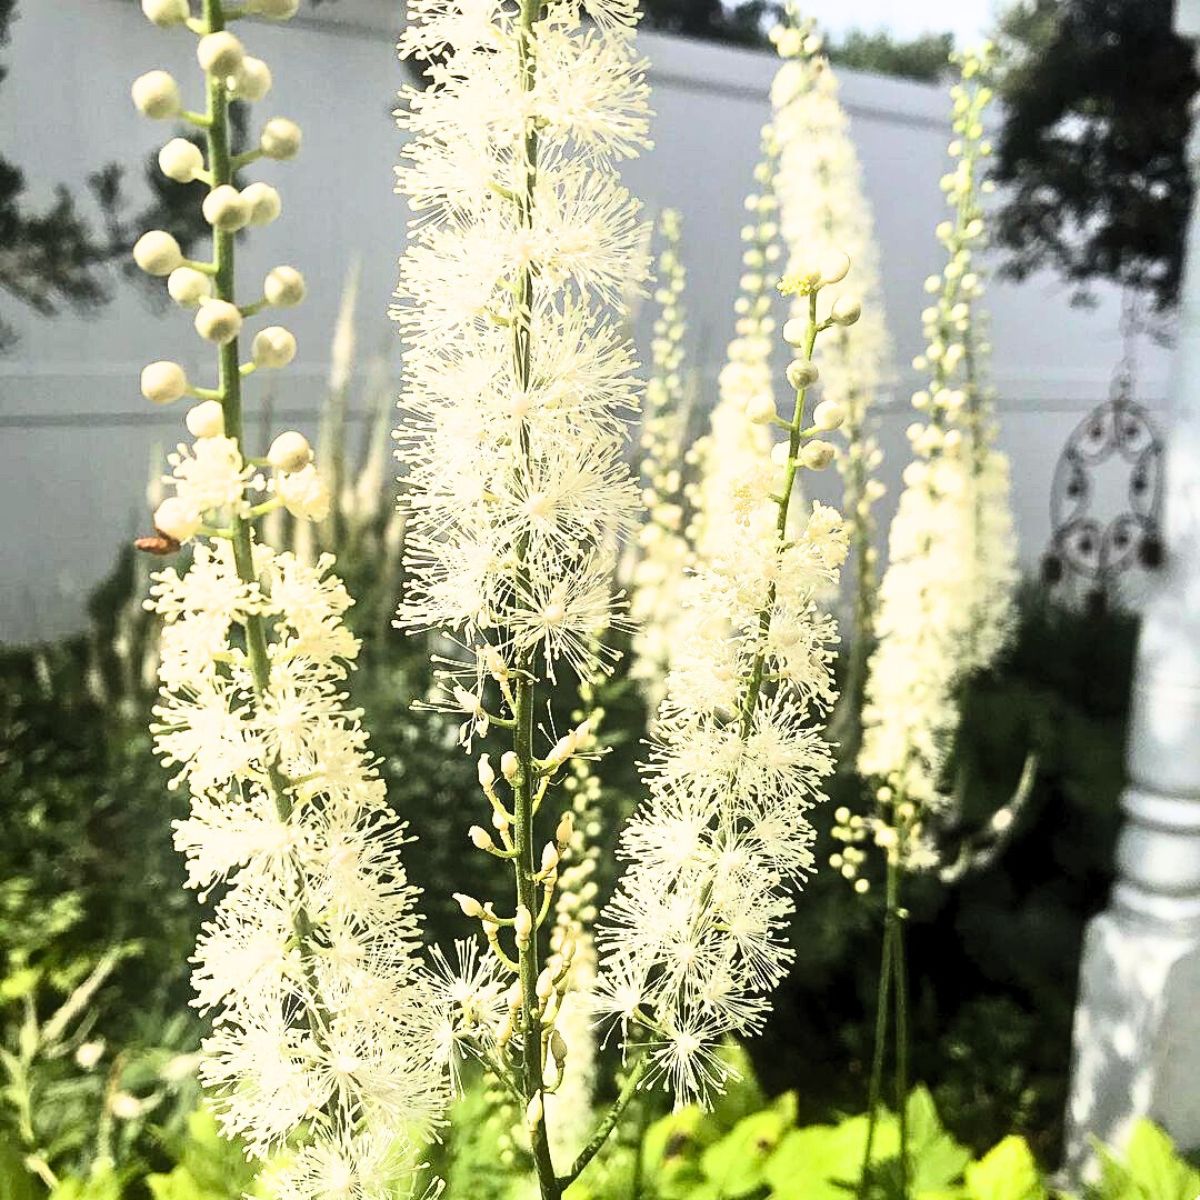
[1137, 1024]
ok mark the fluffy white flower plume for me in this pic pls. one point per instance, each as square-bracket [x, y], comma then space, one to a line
[309, 968]
[662, 548]
[517, 381]
[824, 216]
[694, 940]
[946, 600]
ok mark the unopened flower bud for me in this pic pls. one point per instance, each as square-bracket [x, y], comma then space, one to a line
[165, 13]
[566, 827]
[177, 520]
[829, 414]
[276, 10]
[157, 253]
[189, 287]
[156, 95]
[801, 373]
[523, 924]
[795, 331]
[304, 494]
[510, 764]
[164, 382]
[480, 838]
[558, 1047]
[273, 347]
[181, 160]
[533, 1112]
[486, 775]
[284, 287]
[206, 419]
[545, 984]
[225, 208]
[845, 311]
[220, 54]
[834, 267]
[760, 408]
[280, 139]
[218, 321]
[263, 203]
[252, 80]
[817, 455]
[469, 905]
[549, 858]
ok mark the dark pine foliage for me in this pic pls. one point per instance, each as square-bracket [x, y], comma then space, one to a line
[1092, 152]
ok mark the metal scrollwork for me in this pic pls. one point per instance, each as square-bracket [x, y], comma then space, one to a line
[1083, 546]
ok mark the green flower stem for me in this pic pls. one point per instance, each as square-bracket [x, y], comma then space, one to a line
[608, 1123]
[525, 866]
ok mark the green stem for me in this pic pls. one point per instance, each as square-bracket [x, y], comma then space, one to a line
[900, 984]
[608, 1124]
[875, 1093]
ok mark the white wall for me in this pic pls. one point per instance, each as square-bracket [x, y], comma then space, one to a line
[76, 436]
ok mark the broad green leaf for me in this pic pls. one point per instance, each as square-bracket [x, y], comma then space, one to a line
[1006, 1172]
[735, 1163]
[816, 1163]
[1156, 1171]
[936, 1158]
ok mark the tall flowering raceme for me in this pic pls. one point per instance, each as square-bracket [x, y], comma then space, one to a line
[693, 942]
[663, 551]
[322, 1049]
[822, 210]
[946, 605]
[523, 241]
[946, 600]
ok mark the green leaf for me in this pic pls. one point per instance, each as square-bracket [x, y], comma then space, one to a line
[818, 1162]
[15, 1181]
[735, 1163]
[1007, 1172]
[675, 1141]
[1156, 1171]
[936, 1158]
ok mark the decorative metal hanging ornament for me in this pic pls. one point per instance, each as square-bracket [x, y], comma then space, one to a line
[1083, 547]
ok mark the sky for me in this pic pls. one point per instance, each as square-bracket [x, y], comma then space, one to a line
[968, 20]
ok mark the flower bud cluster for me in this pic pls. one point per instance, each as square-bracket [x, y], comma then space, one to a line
[946, 599]
[663, 552]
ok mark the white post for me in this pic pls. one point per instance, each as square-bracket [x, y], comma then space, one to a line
[1137, 1024]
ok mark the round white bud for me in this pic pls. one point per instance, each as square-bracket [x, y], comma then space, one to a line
[165, 13]
[522, 924]
[164, 382]
[469, 905]
[817, 455]
[157, 253]
[156, 95]
[277, 10]
[760, 408]
[480, 838]
[290, 452]
[225, 208]
[220, 54]
[206, 420]
[510, 764]
[273, 347]
[177, 519]
[801, 373]
[180, 160]
[834, 267]
[189, 287]
[284, 287]
[280, 139]
[252, 81]
[218, 321]
[828, 415]
[845, 311]
[795, 331]
[263, 203]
